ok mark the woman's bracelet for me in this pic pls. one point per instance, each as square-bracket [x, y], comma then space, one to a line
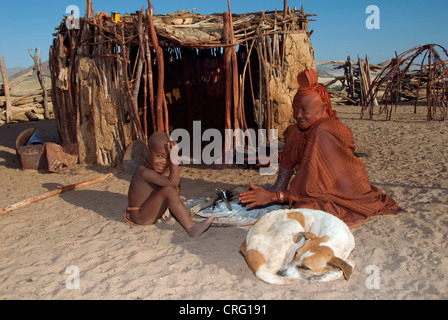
[280, 196]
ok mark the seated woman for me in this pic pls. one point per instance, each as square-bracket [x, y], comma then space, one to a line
[329, 176]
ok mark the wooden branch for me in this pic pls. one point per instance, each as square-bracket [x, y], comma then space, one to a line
[140, 58]
[6, 89]
[187, 84]
[237, 115]
[32, 96]
[166, 123]
[145, 100]
[150, 79]
[242, 82]
[37, 63]
[329, 83]
[14, 82]
[161, 70]
[59, 190]
[136, 123]
[228, 74]
[26, 92]
[331, 62]
[228, 86]
[87, 11]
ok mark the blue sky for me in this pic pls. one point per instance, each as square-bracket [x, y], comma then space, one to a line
[340, 29]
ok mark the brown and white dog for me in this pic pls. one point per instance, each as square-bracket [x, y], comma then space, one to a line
[290, 244]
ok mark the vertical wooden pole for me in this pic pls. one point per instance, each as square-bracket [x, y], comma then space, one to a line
[6, 89]
[87, 11]
[235, 87]
[372, 96]
[136, 122]
[150, 76]
[38, 65]
[428, 88]
[228, 101]
[284, 34]
[264, 79]
[285, 5]
[361, 81]
[228, 73]
[140, 57]
[92, 12]
[187, 82]
[160, 67]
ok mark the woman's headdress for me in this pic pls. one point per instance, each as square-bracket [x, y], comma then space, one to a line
[308, 82]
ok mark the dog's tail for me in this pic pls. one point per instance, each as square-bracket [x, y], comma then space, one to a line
[272, 278]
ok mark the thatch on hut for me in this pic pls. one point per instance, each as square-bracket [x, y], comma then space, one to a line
[117, 80]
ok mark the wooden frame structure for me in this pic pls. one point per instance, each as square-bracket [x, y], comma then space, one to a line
[398, 80]
[115, 81]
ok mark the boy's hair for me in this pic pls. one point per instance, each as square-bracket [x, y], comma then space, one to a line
[156, 138]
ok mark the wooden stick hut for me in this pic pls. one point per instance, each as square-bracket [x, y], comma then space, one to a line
[118, 79]
[400, 80]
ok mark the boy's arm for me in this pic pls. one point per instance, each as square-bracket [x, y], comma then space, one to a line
[150, 176]
[174, 175]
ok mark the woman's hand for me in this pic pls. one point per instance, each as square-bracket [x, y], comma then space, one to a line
[257, 196]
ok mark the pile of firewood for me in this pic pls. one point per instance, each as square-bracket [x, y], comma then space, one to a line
[400, 79]
[25, 104]
[355, 81]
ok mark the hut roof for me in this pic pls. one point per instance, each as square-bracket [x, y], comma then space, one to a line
[185, 29]
[207, 29]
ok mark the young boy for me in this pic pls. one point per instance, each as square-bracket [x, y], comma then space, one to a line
[155, 187]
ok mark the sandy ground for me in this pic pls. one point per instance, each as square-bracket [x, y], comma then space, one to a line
[396, 257]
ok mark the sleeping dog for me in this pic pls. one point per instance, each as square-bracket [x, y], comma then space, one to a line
[289, 244]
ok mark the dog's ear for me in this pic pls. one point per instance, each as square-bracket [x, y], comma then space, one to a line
[341, 264]
[304, 235]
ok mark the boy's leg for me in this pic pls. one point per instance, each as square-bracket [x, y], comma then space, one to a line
[168, 197]
[150, 211]
[178, 209]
